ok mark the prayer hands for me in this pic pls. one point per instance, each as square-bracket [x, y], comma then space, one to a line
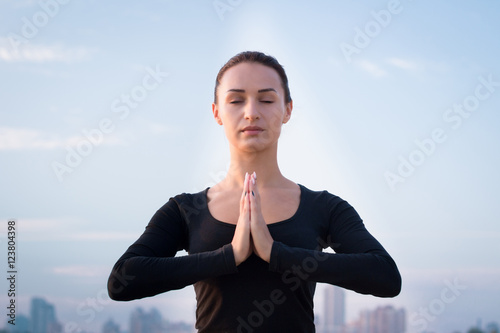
[251, 234]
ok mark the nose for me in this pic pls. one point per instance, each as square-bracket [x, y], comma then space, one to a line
[252, 110]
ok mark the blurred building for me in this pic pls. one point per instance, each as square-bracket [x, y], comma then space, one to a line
[43, 317]
[152, 322]
[22, 325]
[110, 327]
[492, 328]
[384, 319]
[180, 328]
[334, 312]
[146, 322]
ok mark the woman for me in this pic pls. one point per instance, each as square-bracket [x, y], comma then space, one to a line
[254, 240]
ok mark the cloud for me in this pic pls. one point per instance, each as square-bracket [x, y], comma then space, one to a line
[67, 229]
[377, 71]
[371, 68]
[157, 128]
[103, 236]
[143, 128]
[28, 138]
[404, 64]
[468, 275]
[451, 235]
[21, 138]
[35, 53]
[81, 270]
[36, 225]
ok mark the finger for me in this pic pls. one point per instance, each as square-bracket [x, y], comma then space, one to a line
[244, 193]
[252, 189]
[251, 193]
[248, 199]
[245, 183]
[254, 198]
[253, 183]
[254, 192]
[250, 180]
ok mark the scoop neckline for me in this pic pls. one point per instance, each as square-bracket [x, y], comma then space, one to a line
[297, 211]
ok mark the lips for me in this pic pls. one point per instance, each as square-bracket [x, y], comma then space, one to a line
[252, 130]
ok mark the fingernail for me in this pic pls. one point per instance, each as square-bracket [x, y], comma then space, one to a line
[254, 175]
[253, 180]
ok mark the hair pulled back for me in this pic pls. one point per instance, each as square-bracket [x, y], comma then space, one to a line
[255, 57]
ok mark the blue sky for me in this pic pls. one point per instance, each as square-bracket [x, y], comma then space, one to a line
[396, 110]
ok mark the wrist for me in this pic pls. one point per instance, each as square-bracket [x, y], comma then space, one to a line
[267, 252]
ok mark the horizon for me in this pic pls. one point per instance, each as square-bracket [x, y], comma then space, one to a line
[92, 310]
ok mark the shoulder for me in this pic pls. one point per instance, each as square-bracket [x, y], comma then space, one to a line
[187, 204]
[186, 198]
[325, 201]
[320, 197]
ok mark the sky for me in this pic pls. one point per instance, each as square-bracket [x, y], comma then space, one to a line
[105, 113]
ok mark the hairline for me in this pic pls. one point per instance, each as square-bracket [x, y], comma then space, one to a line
[251, 61]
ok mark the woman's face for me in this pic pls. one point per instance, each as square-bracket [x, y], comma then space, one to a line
[251, 106]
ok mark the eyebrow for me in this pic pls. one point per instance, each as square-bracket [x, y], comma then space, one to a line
[259, 91]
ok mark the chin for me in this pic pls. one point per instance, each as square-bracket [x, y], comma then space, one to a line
[255, 147]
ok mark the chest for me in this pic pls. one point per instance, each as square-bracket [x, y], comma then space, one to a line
[275, 206]
[304, 228]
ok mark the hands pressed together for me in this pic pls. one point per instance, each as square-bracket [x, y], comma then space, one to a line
[251, 234]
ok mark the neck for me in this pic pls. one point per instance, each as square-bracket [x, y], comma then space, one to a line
[263, 163]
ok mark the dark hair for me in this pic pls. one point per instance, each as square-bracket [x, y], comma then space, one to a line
[257, 57]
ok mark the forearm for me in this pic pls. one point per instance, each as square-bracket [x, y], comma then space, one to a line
[135, 276]
[373, 272]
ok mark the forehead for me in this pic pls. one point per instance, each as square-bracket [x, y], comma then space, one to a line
[251, 75]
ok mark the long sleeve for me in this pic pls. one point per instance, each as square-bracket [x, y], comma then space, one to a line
[359, 263]
[149, 266]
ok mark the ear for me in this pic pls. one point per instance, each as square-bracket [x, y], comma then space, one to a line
[288, 112]
[215, 111]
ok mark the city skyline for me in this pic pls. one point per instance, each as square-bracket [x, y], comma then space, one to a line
[380, 319]
[43, 319]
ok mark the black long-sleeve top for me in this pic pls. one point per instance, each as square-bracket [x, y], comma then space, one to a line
[255, 296]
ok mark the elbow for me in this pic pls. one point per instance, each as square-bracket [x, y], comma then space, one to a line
[116, 291]
[119, 285]
[393, 278]
[389, 280]
[394, 288]
[116, 294]
[392, 285]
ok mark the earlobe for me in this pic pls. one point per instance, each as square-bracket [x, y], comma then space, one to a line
[215, 112]
[288, 112]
